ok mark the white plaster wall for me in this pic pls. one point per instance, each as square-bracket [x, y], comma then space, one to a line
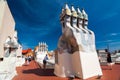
[2, 9]
[64, 68]
[76, 63]
[19, 51]
[7, 25]
[90, 64]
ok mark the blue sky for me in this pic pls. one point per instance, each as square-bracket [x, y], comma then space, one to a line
[38, 21]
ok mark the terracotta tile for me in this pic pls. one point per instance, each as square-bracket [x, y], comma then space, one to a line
[33, 72]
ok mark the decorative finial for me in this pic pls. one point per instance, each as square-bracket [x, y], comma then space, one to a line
[78, 10]
[66, 6]
[79, 13]
[83, 11]
[85, 16]
[74, 13]
[72, 9]
[67, 10]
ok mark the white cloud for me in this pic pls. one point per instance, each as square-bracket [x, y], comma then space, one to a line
[113, 34]
[104, 41]
[109, 41]
[109, 15]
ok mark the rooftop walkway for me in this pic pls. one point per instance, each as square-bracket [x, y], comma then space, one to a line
[33, 72]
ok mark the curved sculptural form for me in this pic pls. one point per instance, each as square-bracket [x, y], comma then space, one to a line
[91, 36]
[65, 45]
[76, 54]
[84, 31]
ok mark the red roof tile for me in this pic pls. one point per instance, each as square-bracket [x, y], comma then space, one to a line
[26, 51]
[33, 72]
